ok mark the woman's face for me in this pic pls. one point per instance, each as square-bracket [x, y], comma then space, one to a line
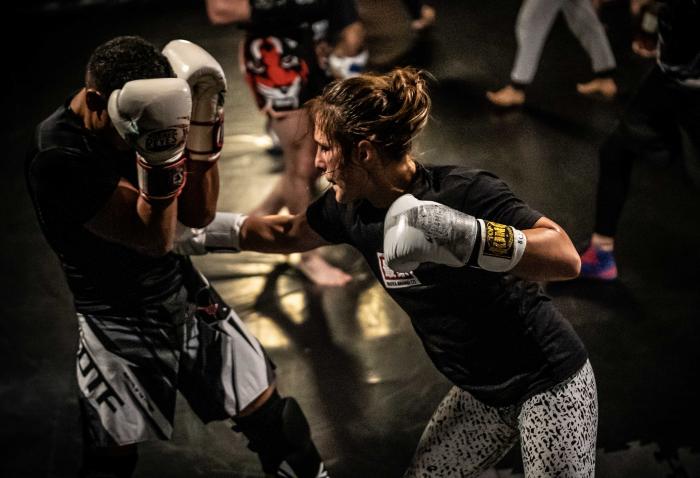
[347, 178]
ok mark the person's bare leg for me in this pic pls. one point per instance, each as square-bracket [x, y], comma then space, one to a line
[275, 200]
[320, 272]
[296, 187]
[272, 203]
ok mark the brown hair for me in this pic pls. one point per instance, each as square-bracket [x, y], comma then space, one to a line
[389, 110]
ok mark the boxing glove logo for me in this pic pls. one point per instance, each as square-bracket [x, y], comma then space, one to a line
[165, 139]
[393, 279]
[499, 240]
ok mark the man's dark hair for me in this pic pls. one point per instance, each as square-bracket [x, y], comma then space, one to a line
[123, 59]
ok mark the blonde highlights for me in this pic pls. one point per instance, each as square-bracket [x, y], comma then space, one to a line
[387, 109]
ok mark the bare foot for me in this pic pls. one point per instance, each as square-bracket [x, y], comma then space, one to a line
[604, 87]
[320, 272]
[506, 97]
[426, 20]
[645, 52]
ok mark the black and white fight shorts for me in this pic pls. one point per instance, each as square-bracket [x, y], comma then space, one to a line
[129, 370]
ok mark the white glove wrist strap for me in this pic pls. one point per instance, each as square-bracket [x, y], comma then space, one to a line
[222, 235]
[501, 247]
[161, 181]
[205, 140]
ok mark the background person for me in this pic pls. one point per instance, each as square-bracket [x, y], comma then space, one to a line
[534, 22]
[290, 52]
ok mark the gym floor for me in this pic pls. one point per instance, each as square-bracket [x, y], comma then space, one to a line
[349, 355]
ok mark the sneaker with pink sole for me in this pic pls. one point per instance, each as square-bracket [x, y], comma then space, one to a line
[598, 264]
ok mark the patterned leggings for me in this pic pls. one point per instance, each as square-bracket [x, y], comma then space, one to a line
[557, 428]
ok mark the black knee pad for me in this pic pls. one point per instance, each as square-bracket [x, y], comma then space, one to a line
[108, 463]
[279, 433]
[102, 457]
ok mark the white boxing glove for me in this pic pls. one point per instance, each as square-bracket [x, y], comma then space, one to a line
[425, 231]
[208, 84]
[153, 117]
[342, 67]
[221, 235]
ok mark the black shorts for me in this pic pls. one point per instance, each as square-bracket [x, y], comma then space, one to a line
[130, 368]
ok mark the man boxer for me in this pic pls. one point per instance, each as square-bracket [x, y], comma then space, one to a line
[111, 173]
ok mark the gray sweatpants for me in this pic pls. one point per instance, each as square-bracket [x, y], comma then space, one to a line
[557, 429]
[534, 22]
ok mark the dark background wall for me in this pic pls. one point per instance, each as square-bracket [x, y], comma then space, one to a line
[368, 394]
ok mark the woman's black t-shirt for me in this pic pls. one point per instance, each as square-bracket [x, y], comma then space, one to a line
[497, 336]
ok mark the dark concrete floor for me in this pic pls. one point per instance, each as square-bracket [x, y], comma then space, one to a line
[349, 355]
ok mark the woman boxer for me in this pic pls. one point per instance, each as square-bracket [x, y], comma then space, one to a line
[457, 250]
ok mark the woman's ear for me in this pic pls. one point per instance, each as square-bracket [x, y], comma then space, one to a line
[95, 101]
[366, 152]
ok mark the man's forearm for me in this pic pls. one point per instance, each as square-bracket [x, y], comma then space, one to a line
[197, 202]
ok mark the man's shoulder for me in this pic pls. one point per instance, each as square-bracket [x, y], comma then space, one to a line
[62, 129]
[58, 140]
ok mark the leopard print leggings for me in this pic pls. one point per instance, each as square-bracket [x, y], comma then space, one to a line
[557, 429]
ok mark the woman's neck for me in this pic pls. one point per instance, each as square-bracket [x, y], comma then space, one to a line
[395, 180]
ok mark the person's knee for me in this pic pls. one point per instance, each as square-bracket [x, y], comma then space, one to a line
[258, 402]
